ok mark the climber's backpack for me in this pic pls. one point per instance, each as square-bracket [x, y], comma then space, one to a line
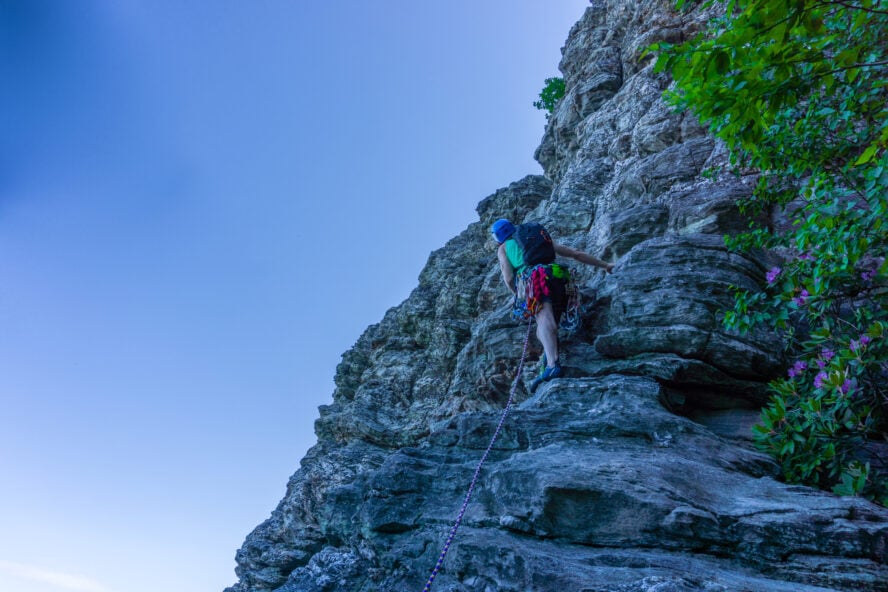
[536, 244]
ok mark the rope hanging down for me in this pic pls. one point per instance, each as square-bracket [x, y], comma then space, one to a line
[499, 427]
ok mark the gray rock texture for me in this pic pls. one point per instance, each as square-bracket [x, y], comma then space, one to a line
[633, 473]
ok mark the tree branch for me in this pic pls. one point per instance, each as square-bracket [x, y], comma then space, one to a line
[852, 66]
[855, 7]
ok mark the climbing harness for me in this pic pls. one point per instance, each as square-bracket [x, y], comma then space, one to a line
[496, 433]
[531, 289]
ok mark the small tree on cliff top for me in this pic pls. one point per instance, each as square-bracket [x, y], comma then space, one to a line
[798, 90]
[553, 91]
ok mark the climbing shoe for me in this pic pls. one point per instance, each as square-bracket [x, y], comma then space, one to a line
[548, 373]
[542, 365]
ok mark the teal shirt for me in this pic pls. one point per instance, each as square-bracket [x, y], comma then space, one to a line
[515, 255]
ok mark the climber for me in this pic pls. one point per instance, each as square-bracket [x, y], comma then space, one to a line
[526, 255]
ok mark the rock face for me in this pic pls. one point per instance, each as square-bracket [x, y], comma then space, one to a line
[633, 473]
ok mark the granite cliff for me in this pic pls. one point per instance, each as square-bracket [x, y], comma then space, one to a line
[633, 473]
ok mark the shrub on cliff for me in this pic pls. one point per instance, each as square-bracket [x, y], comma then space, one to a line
[550, 95]
[797, 90]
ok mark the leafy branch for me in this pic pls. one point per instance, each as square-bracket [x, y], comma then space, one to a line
[796, 91]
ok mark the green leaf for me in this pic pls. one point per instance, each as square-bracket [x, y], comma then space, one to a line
[867, 155]
[722, 62]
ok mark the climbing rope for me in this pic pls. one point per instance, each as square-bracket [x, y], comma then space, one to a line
[499, 427]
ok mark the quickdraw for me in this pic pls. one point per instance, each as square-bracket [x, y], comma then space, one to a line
[570, 319]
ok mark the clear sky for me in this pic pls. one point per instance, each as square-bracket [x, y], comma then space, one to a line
[202, 205]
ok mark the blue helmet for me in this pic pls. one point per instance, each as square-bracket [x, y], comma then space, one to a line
[502, 229]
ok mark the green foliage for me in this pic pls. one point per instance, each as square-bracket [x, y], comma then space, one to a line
[550, 95]
[798, 90]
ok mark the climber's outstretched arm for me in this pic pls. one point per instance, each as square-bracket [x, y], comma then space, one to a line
[582, 257]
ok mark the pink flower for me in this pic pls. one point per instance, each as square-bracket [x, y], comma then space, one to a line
[801, 298]
[797, 369]
[858, 344]
[846, 386]
[819, 379]
[825, 356]
[771, 276]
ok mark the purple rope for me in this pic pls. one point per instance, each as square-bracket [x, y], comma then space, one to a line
[499, 427]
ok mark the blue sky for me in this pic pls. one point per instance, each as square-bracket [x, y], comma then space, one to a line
[202, 206]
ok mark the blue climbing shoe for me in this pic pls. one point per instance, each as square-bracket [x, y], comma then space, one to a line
[548, 373]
